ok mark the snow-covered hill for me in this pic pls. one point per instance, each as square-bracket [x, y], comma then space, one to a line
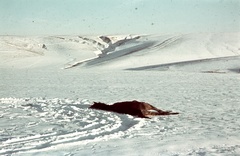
[162, 52]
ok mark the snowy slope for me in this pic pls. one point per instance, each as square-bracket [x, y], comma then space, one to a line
[126, 51]
[47, 84]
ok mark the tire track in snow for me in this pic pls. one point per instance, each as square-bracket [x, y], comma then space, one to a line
[38, 123]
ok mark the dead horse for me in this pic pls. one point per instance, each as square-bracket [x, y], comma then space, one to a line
[134, 108]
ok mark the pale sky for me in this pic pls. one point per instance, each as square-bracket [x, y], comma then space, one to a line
[72, 17]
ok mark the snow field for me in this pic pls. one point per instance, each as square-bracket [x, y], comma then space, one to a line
[46, 91]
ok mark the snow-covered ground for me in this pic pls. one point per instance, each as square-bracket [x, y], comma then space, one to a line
[48, 82]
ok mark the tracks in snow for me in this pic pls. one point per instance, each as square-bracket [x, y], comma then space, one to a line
[37, 123]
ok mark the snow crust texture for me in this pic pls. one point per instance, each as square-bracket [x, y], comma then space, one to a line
[40, 125]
